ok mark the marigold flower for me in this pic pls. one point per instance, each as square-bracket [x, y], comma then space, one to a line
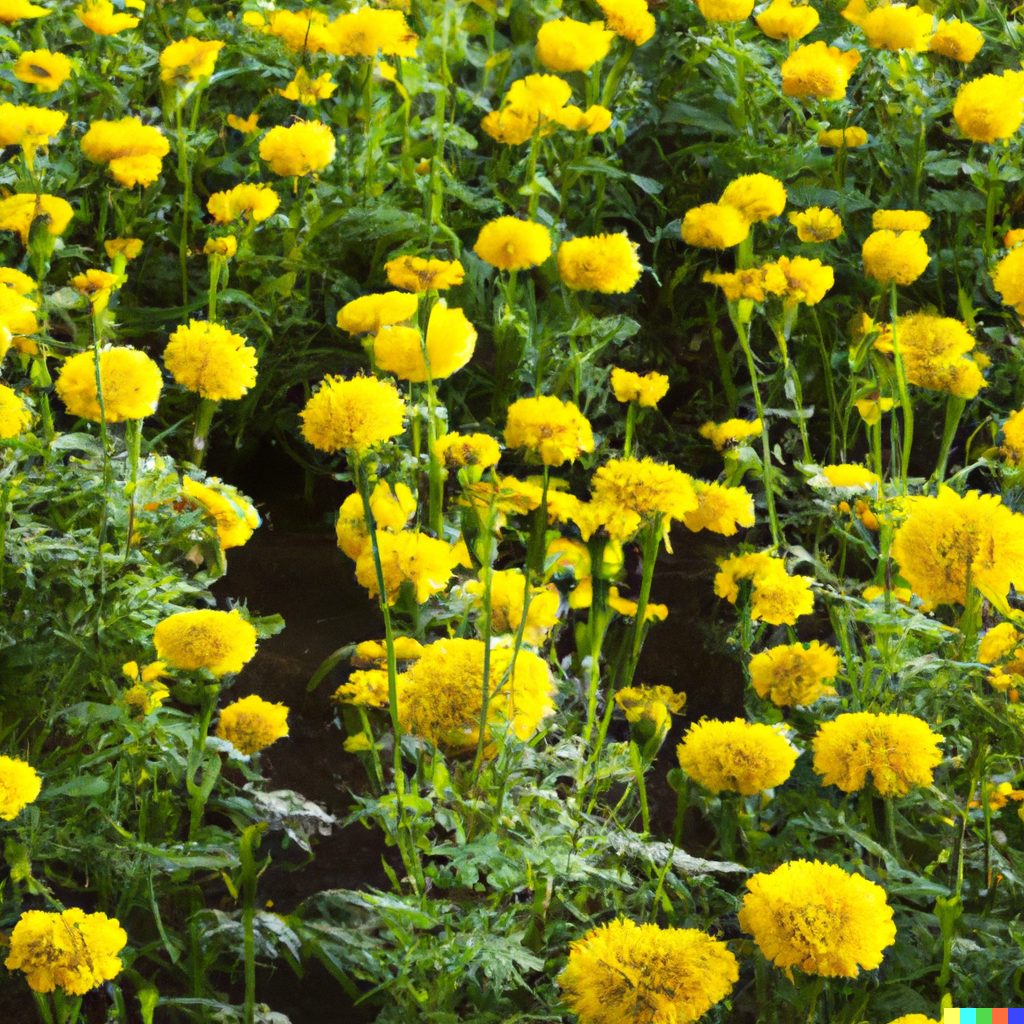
[623, 605]
[509, 243]
[507, 597]
[798, 279]
[220, 642]
[234, 516]
[714, 226]
[900, 220]
[934, 351]
[375, 653]
[15, 281]
[407, 557]
[368, 688]
[647, 389]
[838, 138]
[871, 409]
[243, 202]
[818, 70]
[300, 149]
[897, 27]
[132, 151]
[737, 756]
[301, 31]
[17, 316]
[392, 508]
[816, 224]
[743, 284]
[759, 197]
[415, 274]
[210, 360]
[368, 31]
[442, 701]
[129, 248]
[630, 19]
[553, 431]
[188, 60]
[29, 127]
[308, 91]
[458, 450]
[252, 724]
[353, 414]
[782, 19]
[629, 494]
[990, 107]
[450, 343]
[246, 125]
[131, 384]
[19, 786]
[998, 642]
[726, 10]
[846, 474]
[794, 673]
[369, 313]
[43, 69]
[99, 16]
[1013, 437]
[71, 950]
[895, 256]
[725, 435]
[1007, 278]
[148, 690]
[12, 11]
[96, 286]
[14, 414]
[221, 245]
[531, 104]
[593, 120]
[720, 509]
[567, 45]
[819, 918]
[956, 39]
[602, 263]
[776, 597]
[650, 704]
[642, 974]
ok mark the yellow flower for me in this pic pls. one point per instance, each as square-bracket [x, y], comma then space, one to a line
[721, 509]
[15, 281]
[743, 284]
[794, 673]
[552, 431]
[650, 704]
[593, 120]
[837, 138]
[781, 19]
[71, 950]
[647, 389]
[818, 70]
[12, 11]
[737, 756]
[132, 151]
[819, 918]
[243, 202]
[759, 197]
[234, 515]
[415, 274]
[776, 597]
[374, 652]
[220, 642]
[726, 10]
[956, 39]
[356, 744]
[458, 450]
[210, 360]
[897, 27]
[713, 226]
[368, 688]
[895, 256]
[252, 724]
[947, 537]
[246, 125]
[798, 279]
[1013, 435]
[1013, 237]
[188, 60]
[407, 557]
[531, 104]
[98, 16]
[96, 286]
[900, 220]
[129, 248]
[450, 343]
[567, 45]
[308, 91]
[509, 243]
[625, 973]
[998, 642]
[222, 245]
[622, 605]
[43, 69]
[1007, 278]
[131, 384]
[29, 127]
[14, 414]
[600, 263]
[353, 414]
[629, 494]
[990, 107]
[443, 701]
[369, 313]
[507, 594]
[19, 786]
[17, 315]
[900, 751]
[304, 147]
[934, 351]
[902, 594]
[145, 697]
[392, 508]
[301, 31]
[871, 409]
[848, 475]
[630, 19]
[816, 224]
[368, 31]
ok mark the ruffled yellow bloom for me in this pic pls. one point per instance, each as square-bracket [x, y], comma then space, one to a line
[369, 313]
[246, 125]
[1007, 278]
[726, 10]
[895, 256]
[782, 19]
[552, 431]
[12, 11]
[816, 224]
[794, 673]
[424, 562]
[43, 69]
[819, 918]
[897, 27]
[415, 274]
[29, 127]
[97, 286]
[186, 61]
[798, 279]
[392, 508]
[647, 389]
[14, 414]
[509, 243]
[1013, 438]
[956, 39]
[17, 315]
[725, 435]
[990, 107]
[934, 351]
[17, 282]
[221, 245]
[368, 688]
[998, 642]
[374, 653]
[759, 197]
[231, 511]
[132, 151]
[737, 756]
[442, 701]
[625, 973]
[531, 104]
[837, 138]
[301, 31]
[507, 594]
[220, 642]
[131, 384]
[352, 414]
[302, 148]
[148, 690]
[624, 606]
[567, 45]
[721, 509]
[599, 263]
[243, 202]
[713, 226]
[210, 360]
[252, 724]
[308, 91]
[900, 220]
[743, 284]
[459, 450]
[653, 706]
[19, 786]
[818, 70]
[99, 16]
[129, 248]
[630, 19]
[368, 31]
[776, 597]
[629, 494]
[71, 950]
[901, 594]
[450, 343]
[593, 120]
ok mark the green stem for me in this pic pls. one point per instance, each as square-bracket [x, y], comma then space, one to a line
[650, 544]
[216, 264]
[185, 176]
[250, 840]
[638, 773]
[105, 447]
[368, 108]
[792, 374]
[435, 470]
[904, 393]
[531, 174]
[204, 419]
[597, 626]
[990, 206]
[197, 792]
[378, 772]
[133, 441]
[890, 829]
[954, 411]
[630, 424]
[830, 386]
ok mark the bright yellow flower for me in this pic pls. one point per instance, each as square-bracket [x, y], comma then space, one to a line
[507, 595]
[392, 508]
[782, 19]
[415, 274]
[848, 475]
[132, 151]
[895, 256]
[17, 315]
[900, 220]
[12, 11]
[990, 107]
[19, 786]
[650, 704]
[246, 125]
[368, 31]
[630, 19]
[509, 243]
[99, 16]
[308, 91]
[97, 286]
[1013, 435]
[593, 120]
[304, 147]
[450, 343]
[234, 516]
[368, 688]
[725, 435]
[737, 756]
[871, 409]
[188, 60]
[210, 360]
[220, 642]
[148, 690]
[897, 27]
[798, 279]
[43, 69]
[998, 642]
[818, 70]
[713, 226]
[776, 597]
[721, 509]
[552, 431]
[795, 673]
[458, 450]
[816, 224]
[934, 351]
[819, 918]
[352, 414]
[759, 197]
[29, 127]
[221, 245]
[531, 104]
[14, 414]
[625, 973]
[407, 557]
[369, 313]
[726, 10]
[16, 281]
[957, 39]
[623, 605]
[837, 138]
[301, 31]
[901, 594]
[252, 724]
[567, 45]
[629, 494]
[374, 653]
[71, 950]
[743, 284]
[647, 389]
[131, 384]
[129, 248]
[601, 263]
[1007, 278]
[243, 202]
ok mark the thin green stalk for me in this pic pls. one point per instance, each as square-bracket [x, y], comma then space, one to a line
[955, 406]
[204, 420]
[198, 794]
[368, 113]
[435, 470]
[378, 771]
[597, 626]
[630, 424]
[789, 371]
[107, 476]
[904, 393]
[216, 263]
[830, 385]
[650, 544]
[250, 840]
[890, 829]
[531, 174]
[185, 176]
[133, 442]
[487, 577]
[992, 194]
[638, 773]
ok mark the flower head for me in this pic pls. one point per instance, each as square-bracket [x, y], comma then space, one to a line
[553, 431]
[508, 588]
[847, 474]
[19, 786]
[29, 127]
[647, 389]
[374, 653]
[798, 279]
[567, 45]
[593, 120]
[726, 435]
[900, 220]
[794, 673]
[1013, 438]
[353, 414]
[309, 91]
[629, 609]
[819, 918]
[531, 104]
[895, 256]
[450, 343]
[392, 508]
[368, 688]
[759, 197]
[737, 756]
[99, 16]
[1007, 278]
[129, 248]
[148, 690]
[407, 557]
[131, 384]
[776, 597]
[935, 354]
[642, 974]
[12, 11]
[233, 514]
[459, 450]
[14, 414]
[220, 642]
[368, 31]
[600, 263]
[957, 40]
[415, 274]
[720, 509]
[246, 125]
[509, 243]
[97, 286]
[818, 70]
[998, 642]
[252, 724]
[186, 61]
[243, 202]
[210, 360]
[990, 107]
[132, 151]
[782, 19]
[629, 494]
[726, 10]
[302, 148]
[43, 69]
[714, 226]
[301, 31]
[17, 316]
[221, 245]
[652, 705]
[897, 27]
[843, 138]
[369, 313]
[630, 19]
[816, 224]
